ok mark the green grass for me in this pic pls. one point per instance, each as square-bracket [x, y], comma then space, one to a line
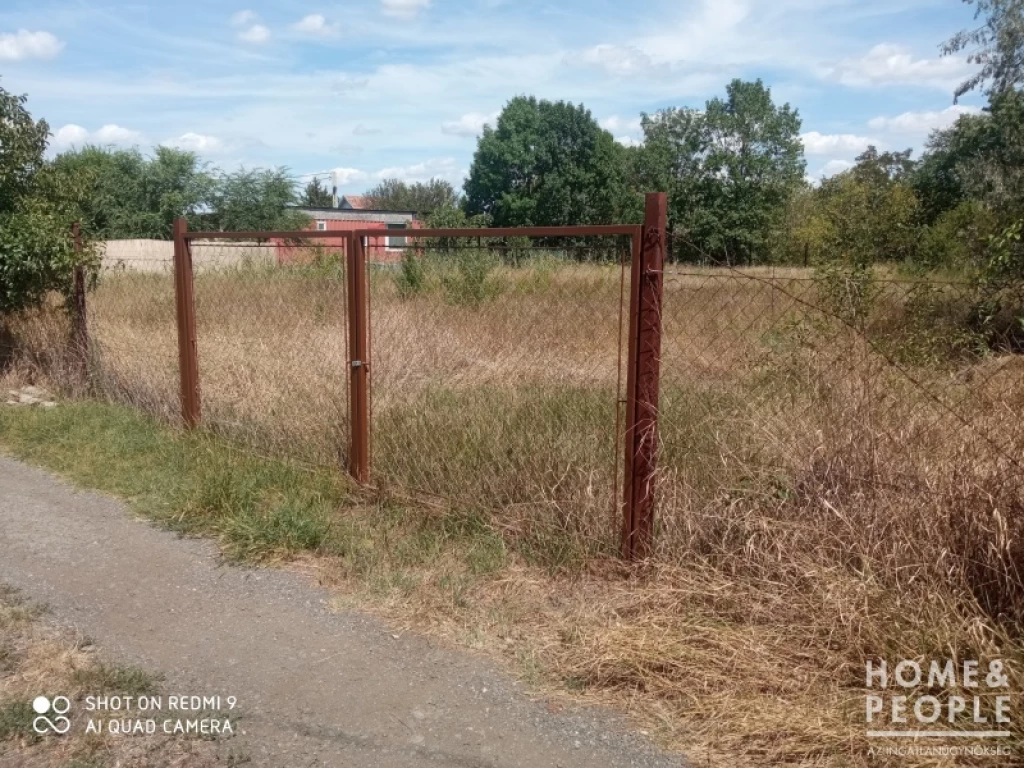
[258, 509]
[16, 721]
[117, 678]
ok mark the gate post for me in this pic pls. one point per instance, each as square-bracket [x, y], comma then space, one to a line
[359, 361]
[643, 379]
[80, 328]
[185, 307]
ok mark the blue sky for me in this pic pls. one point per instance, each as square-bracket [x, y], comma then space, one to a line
[378, 88]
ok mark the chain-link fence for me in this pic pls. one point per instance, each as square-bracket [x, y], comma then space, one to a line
[497, 379]
[881, 408]
[272, 336]
[271, 331]
[132, 330]
[496, 376]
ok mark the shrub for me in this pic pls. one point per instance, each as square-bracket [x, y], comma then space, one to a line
[469, 281]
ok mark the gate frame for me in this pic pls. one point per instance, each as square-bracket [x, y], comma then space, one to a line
[643, 362]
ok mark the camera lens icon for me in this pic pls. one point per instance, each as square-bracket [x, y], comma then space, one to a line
[59, 706]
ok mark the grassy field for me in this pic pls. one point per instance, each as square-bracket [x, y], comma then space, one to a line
[838, 482]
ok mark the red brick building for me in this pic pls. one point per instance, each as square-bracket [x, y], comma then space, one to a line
[353, 213]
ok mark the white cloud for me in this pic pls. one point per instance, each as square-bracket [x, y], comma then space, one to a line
[72, 135]
[29, 45]
[618, 60]
[888, 64]
[469, 125]
[628, 141]
[921, 123]
[196, 142]
[404, 9]
[616, 124]
[833, 167]
[115, 134]
[830, 144]
[315, 25]
[257, 33]
[243, 18]
[346, 176]
[436, 168]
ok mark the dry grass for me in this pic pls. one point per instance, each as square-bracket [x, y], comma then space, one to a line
[827, 494]
[37, 658]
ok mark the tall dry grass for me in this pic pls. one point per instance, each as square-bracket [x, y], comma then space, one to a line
[828, 492]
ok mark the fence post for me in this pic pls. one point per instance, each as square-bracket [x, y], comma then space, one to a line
[184, 295]
[643, 379]
[358, 351]
[80, 328]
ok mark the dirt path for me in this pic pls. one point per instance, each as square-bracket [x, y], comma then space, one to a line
[315, 687]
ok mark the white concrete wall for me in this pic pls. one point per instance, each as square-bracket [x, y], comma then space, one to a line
[158, 255]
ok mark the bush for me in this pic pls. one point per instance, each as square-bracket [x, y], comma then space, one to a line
[468, 280]
[412, 275]
[959, 238]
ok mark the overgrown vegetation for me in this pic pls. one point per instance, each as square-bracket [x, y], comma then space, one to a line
[837, 456]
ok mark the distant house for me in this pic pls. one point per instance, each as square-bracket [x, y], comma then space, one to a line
[354, 212]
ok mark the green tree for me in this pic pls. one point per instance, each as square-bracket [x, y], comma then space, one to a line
[37, 207]
[980, 158]
[869, 214]
[134, 196]
[997, 45]
[316, 195]
[545, 164]
[257, 199]
[729, 170]
[418, 197]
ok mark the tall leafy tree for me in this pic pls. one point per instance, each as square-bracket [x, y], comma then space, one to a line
[257, 199]
[980, 158]
[997, 45]
[37, 207]
[729, 169]
[545, 164]
[134, 196]
[419, 197]
[315, 195]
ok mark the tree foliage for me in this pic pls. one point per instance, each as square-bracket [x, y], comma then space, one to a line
[545, 164]
[315, 195]
[997, 45]
[419, 197]
[38, 205]
[255, 199]
[729, 170]
[134, 196]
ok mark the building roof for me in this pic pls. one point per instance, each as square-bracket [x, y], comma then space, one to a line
[342, 214]
[356, 202]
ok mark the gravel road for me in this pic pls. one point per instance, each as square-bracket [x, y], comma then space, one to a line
[315, 687]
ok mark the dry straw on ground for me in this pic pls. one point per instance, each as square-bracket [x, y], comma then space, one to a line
[836, 484]
[35, 658]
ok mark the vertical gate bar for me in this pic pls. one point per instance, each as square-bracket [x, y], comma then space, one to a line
[644, 389]
[359, 418]
[188, 355]
[80, 328]
[629, 450]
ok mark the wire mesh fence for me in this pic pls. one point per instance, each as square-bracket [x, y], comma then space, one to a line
[272, 338]
[497, 372]
[882, 409]
[496, 376]
[271, 322]
[132, 331]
